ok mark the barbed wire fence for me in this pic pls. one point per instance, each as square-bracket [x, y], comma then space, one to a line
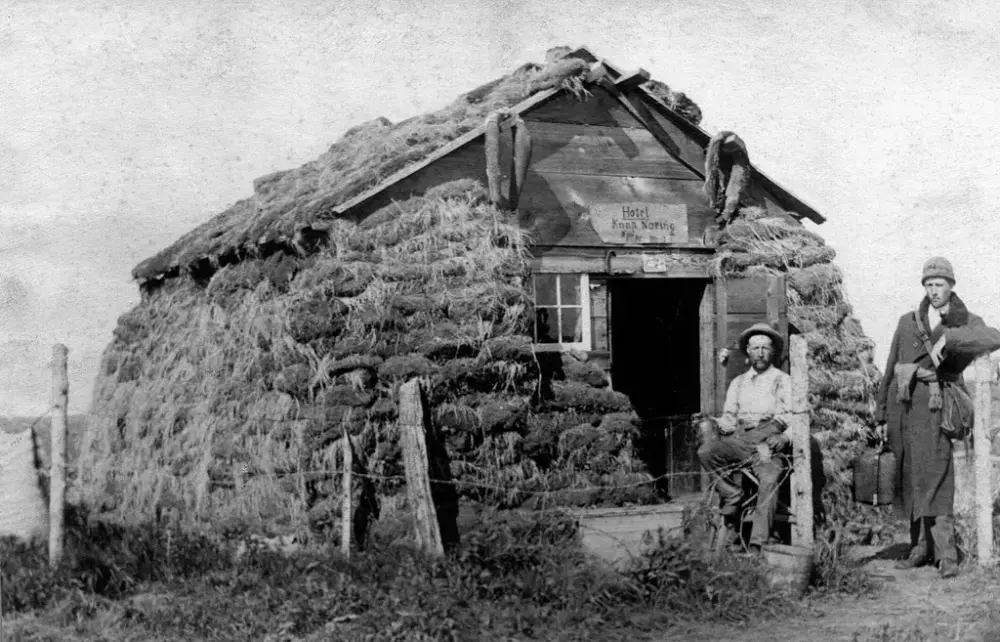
[549, 499]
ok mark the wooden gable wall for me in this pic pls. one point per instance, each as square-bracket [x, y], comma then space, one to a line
[592, 152]
[467, 161]
[693, 153]
[584, 152]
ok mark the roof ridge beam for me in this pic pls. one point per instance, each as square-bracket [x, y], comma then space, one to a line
[633, 80]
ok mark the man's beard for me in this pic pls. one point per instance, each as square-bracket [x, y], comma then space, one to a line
[760, 364]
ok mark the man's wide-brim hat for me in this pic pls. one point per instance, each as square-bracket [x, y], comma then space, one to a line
[767, 331]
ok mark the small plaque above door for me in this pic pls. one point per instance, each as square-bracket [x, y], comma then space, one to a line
[640, 222]
[654, 263]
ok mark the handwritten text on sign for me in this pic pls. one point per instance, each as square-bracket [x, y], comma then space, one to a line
[640, 222]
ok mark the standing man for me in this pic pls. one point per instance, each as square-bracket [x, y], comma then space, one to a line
[751, 428]
[908, 413]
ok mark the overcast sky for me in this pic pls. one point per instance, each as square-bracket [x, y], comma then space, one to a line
[125, 124]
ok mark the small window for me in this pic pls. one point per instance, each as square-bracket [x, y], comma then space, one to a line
[562, 312]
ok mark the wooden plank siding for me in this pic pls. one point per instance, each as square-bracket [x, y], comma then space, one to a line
[555, 208]
[467, 161]
[600, 109]
[563, 148]
[683, 145]
[692, 143]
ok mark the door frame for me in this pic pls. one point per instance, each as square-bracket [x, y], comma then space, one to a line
[707, 362]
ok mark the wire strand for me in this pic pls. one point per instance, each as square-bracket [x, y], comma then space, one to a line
[327, 473]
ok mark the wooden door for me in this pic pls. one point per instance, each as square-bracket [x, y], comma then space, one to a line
[739, 304]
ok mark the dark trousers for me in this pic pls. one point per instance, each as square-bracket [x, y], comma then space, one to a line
[720, 457]
[934, 538]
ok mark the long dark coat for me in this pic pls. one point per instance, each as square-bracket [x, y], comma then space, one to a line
[925, 479]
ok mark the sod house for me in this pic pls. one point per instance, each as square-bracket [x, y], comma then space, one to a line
[562, 253]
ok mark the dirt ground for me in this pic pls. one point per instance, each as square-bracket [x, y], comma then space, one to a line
[911, 606]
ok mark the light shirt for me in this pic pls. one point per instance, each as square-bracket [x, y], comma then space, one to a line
[753, 395]
[934, 316]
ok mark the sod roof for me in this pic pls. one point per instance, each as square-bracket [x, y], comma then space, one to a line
[288, 206]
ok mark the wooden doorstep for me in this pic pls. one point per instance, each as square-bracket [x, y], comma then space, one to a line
[674, 506]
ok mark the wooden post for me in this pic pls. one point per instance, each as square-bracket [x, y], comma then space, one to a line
[57, 474]
[982, 452]
[707, 336]
[345, 508]
[418, 484]
[492, 146]
[802, 491]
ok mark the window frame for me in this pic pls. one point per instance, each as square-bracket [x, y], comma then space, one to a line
[585, 343]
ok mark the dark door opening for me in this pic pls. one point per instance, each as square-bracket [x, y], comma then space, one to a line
[656, 361]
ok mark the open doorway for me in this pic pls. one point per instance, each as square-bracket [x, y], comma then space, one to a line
[656, 361]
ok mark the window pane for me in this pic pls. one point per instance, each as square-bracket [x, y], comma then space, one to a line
[545, 289]
[546, 325]
[572, 325]
[569, 286]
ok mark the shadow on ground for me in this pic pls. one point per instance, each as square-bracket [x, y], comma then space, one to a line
[897, 551]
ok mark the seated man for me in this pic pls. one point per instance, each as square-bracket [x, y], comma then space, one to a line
[753, 423]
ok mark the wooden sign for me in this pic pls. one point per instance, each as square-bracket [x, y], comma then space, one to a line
[654, 263]
[640, 222]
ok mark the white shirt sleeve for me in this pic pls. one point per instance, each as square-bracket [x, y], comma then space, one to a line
[728, 421]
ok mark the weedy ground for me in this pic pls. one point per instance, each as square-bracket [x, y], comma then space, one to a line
[514, 577]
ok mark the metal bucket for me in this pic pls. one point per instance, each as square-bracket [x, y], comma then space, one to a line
[875, 477]
[790, 568]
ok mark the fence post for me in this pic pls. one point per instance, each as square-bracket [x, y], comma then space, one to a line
[982, 452]
[429, 487]
[418, 483]
[57, 474]
[802, 491]
[346, 508]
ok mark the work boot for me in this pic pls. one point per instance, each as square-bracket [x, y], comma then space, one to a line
[948, 569]
[915, 560]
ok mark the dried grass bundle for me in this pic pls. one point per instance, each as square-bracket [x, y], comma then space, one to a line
[844, 385]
